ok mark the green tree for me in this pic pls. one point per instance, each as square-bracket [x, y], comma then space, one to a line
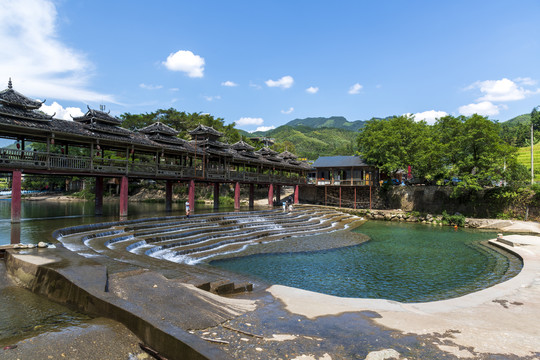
[180, 121]
[394, 143]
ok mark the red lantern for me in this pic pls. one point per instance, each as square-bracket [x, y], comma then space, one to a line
[18, 146]
[52, 141]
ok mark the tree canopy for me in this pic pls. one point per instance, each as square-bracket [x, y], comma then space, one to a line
[467, 149]
[180, 121]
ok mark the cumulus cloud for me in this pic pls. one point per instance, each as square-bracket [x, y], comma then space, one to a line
[60, 112]
[288, 111]
[355, 89]
[229, 83]
[264, 128]
[312, 89]
[284, 83]
[150, 87]
[212, 98]
[36, 59]
[429, 116]
[187, 62]
[249, 121]
[486, 108]
[503, 90]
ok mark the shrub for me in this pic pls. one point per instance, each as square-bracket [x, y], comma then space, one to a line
[456, 219]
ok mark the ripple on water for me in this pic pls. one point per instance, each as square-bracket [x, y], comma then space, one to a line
[402, 262]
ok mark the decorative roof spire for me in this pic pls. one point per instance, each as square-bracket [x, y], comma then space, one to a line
[9, 84]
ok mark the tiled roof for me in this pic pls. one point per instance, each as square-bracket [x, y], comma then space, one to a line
[16, 99]
[339, 161]
[98, 116]
[160, 128]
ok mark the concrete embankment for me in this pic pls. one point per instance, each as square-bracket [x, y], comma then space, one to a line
[145, 302]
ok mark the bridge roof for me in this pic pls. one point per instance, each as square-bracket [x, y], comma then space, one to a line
[159, 128]
[13, 98]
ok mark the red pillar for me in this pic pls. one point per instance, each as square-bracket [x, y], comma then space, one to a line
[191, 195]
[237, 196]
[251, 195]
[16, 197]
[168, 195]
[296, 193]
[216, 195]
[98, 208]
[124, 196]
[271, 195]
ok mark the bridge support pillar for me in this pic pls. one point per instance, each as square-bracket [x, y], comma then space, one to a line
[271, 195]
[216, 196]
[191, 195]
[296, 194]
[237, 196]
[354, 206]
[340, 196]
[124, 196]
[16, 197]
[278, 193]
[98, 207]
[168, 195]
[251, 195]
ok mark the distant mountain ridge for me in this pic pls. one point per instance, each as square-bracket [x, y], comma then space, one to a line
[337, 122]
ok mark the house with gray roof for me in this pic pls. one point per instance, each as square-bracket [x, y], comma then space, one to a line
[343, 171]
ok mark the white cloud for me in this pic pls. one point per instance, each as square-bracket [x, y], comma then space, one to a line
[187, 62]
[526, 81]
[174, 89]
[59, 112]
[503, 90]
[264, 128]
[486, 108]
[285, 82]
[212, 98]
[429, 116]
[249, 121]
[150, 87]
[290, 110]
[229, 83]
[35, 58]
[355, 89]
[312, 89]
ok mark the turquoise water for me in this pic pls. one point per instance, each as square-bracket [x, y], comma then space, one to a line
[402, 262]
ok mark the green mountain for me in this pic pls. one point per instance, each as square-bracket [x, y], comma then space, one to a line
[311, 142]
[520, 119]
[338, 122]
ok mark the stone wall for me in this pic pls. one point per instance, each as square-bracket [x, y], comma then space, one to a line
[424, 199]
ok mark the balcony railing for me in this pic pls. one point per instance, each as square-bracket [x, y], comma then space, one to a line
[81, 165]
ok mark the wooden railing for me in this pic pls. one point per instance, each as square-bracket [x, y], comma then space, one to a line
[81, 165]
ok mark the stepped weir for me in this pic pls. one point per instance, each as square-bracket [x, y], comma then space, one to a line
[172, 244]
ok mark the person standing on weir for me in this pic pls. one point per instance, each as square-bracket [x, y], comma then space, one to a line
[187, 209]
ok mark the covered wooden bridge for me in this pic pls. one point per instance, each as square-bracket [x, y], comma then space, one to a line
[95, 145]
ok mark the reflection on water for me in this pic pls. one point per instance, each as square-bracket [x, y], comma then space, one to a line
[24, 314]
[40, 218]
[403, 262]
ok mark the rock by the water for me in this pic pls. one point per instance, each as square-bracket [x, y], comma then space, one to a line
[383, 355]
[42, 244]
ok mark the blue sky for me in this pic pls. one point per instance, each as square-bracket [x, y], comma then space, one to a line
[262, 64]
